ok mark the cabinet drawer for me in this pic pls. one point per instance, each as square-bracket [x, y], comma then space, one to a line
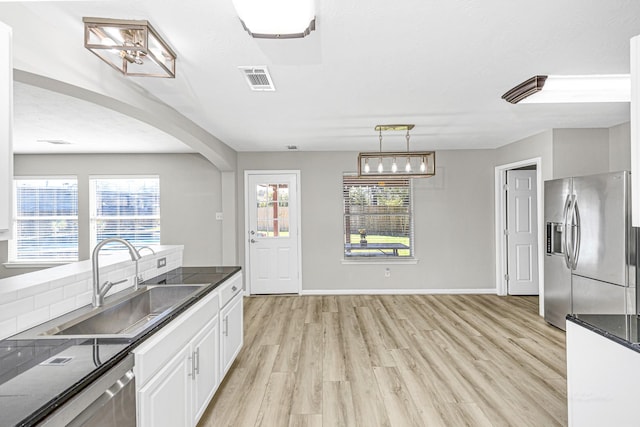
[155, 352]
[230, 288]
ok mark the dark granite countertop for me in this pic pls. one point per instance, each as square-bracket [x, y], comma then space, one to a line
[30, 390]
[621, 328]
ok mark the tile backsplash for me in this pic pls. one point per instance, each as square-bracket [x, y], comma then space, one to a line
[33, 298]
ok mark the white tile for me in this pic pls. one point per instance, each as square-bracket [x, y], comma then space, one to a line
[49, 297]
[83, 299]
[76, 288]
[60, 283]
[8, 327]
[29, 320]
[62, 307]
[8, 297]
[33, 290]
[15, 308]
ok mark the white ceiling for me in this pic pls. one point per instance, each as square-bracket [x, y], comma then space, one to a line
[441, 65]
[41, 116]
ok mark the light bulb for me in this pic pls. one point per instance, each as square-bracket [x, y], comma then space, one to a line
[380, 168]
[423, 166]
[407, 167]
[394, 166]
[366, 166]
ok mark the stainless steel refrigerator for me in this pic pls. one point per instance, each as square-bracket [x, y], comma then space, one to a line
[589, 265]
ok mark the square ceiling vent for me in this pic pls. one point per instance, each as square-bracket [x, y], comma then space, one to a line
[257, 78]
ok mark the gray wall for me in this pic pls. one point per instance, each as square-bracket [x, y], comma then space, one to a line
[540, 145]
[620, 147]
[190, 195]
[580, 152]
[453, 214]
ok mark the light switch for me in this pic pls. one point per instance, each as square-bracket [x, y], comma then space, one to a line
[219, 216]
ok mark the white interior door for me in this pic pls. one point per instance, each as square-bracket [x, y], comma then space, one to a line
[522, 233]
[273, 233]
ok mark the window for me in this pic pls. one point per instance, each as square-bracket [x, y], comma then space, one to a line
[125, 207]
[273, 210]
[377, 218]
[45, 220]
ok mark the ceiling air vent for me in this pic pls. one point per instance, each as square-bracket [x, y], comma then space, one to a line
[258, 78]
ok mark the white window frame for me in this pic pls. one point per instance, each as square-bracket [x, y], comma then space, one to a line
[93, 218]
[354, 259]
[12, 250]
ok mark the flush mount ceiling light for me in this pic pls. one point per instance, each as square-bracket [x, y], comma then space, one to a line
[132, 47]
[276, 19]
[397, 164]
[572, 89]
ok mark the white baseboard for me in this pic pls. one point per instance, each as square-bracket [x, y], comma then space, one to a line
[396, 291]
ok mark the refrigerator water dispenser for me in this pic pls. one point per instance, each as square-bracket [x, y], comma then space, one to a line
[555, 238]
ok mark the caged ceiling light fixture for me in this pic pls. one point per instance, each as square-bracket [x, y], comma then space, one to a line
[413, 164]
[132, 47]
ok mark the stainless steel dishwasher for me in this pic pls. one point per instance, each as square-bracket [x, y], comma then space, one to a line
[110, 401]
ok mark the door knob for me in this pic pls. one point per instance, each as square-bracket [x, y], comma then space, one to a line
[253, 240]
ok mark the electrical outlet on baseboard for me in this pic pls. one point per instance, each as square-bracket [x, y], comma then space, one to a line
[162, 262]
[387, 272]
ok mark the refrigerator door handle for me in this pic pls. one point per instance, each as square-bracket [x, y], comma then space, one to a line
[575, 216]
[566, 233]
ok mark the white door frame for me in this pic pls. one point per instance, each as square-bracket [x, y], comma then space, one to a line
[247, 269]
[501, 224]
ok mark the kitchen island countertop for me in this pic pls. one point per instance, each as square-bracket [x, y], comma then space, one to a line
[621, 328]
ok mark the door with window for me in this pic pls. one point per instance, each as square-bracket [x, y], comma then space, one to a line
[273, 240]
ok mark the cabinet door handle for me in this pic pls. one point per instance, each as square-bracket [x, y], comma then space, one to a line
[233, 288]
[226, 326]
[196, 369]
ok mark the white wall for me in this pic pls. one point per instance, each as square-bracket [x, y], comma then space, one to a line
[190, 195]
[453, 223]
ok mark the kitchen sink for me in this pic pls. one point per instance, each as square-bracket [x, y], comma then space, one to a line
[124, 318]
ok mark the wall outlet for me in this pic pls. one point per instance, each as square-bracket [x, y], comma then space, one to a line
[219, 216]
[387, 272]
[162, 262]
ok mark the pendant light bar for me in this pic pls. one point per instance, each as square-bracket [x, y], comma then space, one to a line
[385, 164]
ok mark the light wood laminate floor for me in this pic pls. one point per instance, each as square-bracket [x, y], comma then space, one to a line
[394, 360]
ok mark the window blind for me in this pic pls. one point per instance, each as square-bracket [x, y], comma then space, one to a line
[377, 217]
[45, 220]
[127, 208]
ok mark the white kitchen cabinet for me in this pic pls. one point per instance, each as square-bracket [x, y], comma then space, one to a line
[6, 123]
[231, 322]
[231, 338]
[165, 400]
[602, 380]
[181, 360]
[206, 351]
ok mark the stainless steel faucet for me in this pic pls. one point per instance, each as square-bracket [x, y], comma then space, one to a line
[138, 278]
[99, 291]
